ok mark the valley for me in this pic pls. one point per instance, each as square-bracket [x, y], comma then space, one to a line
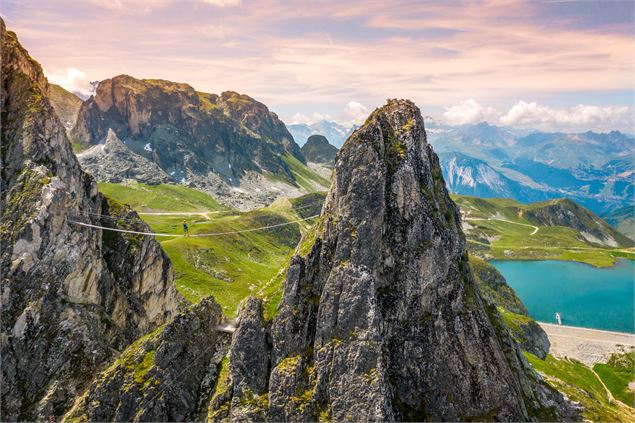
[227, 266]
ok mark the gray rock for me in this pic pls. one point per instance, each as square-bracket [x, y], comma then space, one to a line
[245, 396]
[165, 376]
[113, 161]
[228, 145]
[72, 296]
[318, 150]
[382, 319]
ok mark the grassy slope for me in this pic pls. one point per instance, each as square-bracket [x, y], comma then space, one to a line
[173, 198]
[580, 384]
[305, 177]
[617, 373]
[229, 267]
[514, 240]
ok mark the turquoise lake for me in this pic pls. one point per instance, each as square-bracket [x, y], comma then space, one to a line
[583, 295]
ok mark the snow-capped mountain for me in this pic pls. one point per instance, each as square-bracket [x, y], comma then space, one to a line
[333, 131]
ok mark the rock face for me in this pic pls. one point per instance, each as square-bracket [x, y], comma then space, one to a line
[318, 150]
[71, 296]
[164, 376]
[493, 287]
[113, 161]
[66, 105]
[381, 319]
[226, 145]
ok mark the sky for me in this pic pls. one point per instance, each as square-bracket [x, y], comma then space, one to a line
[551, 65]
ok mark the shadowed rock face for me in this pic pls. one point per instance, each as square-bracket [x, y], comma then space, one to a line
[318, 150]
[382, 319]
[165, 376]
[71, 296]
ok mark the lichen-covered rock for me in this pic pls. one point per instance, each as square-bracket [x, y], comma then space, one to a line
[382, 319]
[164, 376]
[71, 296]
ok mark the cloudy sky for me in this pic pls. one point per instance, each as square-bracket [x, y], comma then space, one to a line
[552, 64]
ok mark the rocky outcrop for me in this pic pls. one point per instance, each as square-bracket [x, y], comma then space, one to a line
[65, 104]
[493, 287]
[528, 333]
[230, 146]
[113, 161]
[164, 376]
[318, 150]
[243, 395]
[569, 214]
[496, 293]
[71, 296]
[382, 319]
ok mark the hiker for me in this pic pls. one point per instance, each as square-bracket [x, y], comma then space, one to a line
[186, 232]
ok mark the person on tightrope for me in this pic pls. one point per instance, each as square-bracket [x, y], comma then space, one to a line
[186, 232]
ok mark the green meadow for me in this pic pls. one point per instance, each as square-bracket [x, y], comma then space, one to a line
[227, 265]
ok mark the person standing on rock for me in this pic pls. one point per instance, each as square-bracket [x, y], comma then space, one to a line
[186, 231]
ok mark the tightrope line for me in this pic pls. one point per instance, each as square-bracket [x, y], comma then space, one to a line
[88, 225]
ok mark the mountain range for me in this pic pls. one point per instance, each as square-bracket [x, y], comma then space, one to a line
[594, 169]
[336, 133]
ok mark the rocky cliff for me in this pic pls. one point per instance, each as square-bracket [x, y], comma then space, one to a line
[495, 292]
[164, 376]
[65, 104]
[229, 145]
[318, 150]
[380, 317]
[71, 296]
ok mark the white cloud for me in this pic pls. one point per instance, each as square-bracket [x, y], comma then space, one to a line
[315, 117]
[355, 112]
[578, 118]
[70, 79]
[468, 111]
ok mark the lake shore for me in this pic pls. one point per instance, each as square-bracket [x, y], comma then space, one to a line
[589, 346]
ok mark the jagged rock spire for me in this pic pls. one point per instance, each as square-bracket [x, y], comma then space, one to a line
[382, 320]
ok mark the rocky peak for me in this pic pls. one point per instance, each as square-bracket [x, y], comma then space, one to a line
[113, 161]
[112, 142]
[71, 296]
[317, 149]
[381, 319]
[213, 142]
